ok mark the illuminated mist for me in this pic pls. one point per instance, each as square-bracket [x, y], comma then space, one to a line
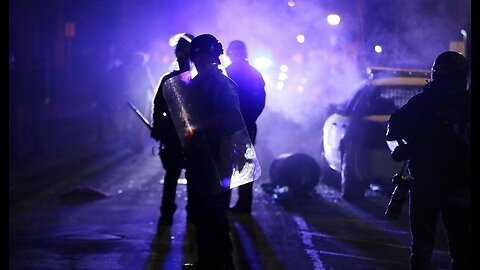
[325, 68]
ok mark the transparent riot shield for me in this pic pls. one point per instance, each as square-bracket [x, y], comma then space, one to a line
[174, 92]
[237, 163]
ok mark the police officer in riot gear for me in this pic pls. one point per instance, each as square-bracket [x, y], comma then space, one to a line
[163, 130]
[251, 88]
[212, 102]
[435, 124]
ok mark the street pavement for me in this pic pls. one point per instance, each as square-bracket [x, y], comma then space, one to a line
[96, 207]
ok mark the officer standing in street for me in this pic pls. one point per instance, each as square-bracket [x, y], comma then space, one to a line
[214, 110]
[163, 130]
[251, 88]
[435, 128]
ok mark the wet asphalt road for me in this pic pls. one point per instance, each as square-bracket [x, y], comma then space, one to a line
[110, 222]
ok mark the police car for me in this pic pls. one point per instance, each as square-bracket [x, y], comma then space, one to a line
[354, 154]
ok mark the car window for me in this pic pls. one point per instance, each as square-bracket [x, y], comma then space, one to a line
[381, 105]
[385, 99]
[355, 103]
[400, 94]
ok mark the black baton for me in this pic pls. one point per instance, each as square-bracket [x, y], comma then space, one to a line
[142, 117]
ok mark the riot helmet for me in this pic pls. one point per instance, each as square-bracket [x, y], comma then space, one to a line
[206, 44]
[180, 37]
[237, 49]
[183, 42]
[450, 64]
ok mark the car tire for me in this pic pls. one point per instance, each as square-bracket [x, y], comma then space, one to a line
[352, 188]
[329, 176]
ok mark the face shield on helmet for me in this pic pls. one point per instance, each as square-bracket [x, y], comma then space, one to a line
[181, 41]
[175, 39]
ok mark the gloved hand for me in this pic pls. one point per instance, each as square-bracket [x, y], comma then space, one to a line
[188, 136]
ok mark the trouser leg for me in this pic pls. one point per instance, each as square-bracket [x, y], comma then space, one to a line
[245, 196]
[456, 219]
[423, 223]
[168, 206]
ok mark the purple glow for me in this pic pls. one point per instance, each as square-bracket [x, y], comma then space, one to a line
[324, 69]
[262, 63]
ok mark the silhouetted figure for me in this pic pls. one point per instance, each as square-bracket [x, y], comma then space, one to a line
[252, 94]
[435, 124]
[212, 103]
[163, 130]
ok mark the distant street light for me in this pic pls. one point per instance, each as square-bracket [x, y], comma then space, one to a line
[333, 19]
[300, 38]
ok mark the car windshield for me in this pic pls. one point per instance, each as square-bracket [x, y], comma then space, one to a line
[399, 94]
[385, 99]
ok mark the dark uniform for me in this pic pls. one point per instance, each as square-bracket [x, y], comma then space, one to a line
[163, 130]
[213, 105]
[435, 125]
[251, 88]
